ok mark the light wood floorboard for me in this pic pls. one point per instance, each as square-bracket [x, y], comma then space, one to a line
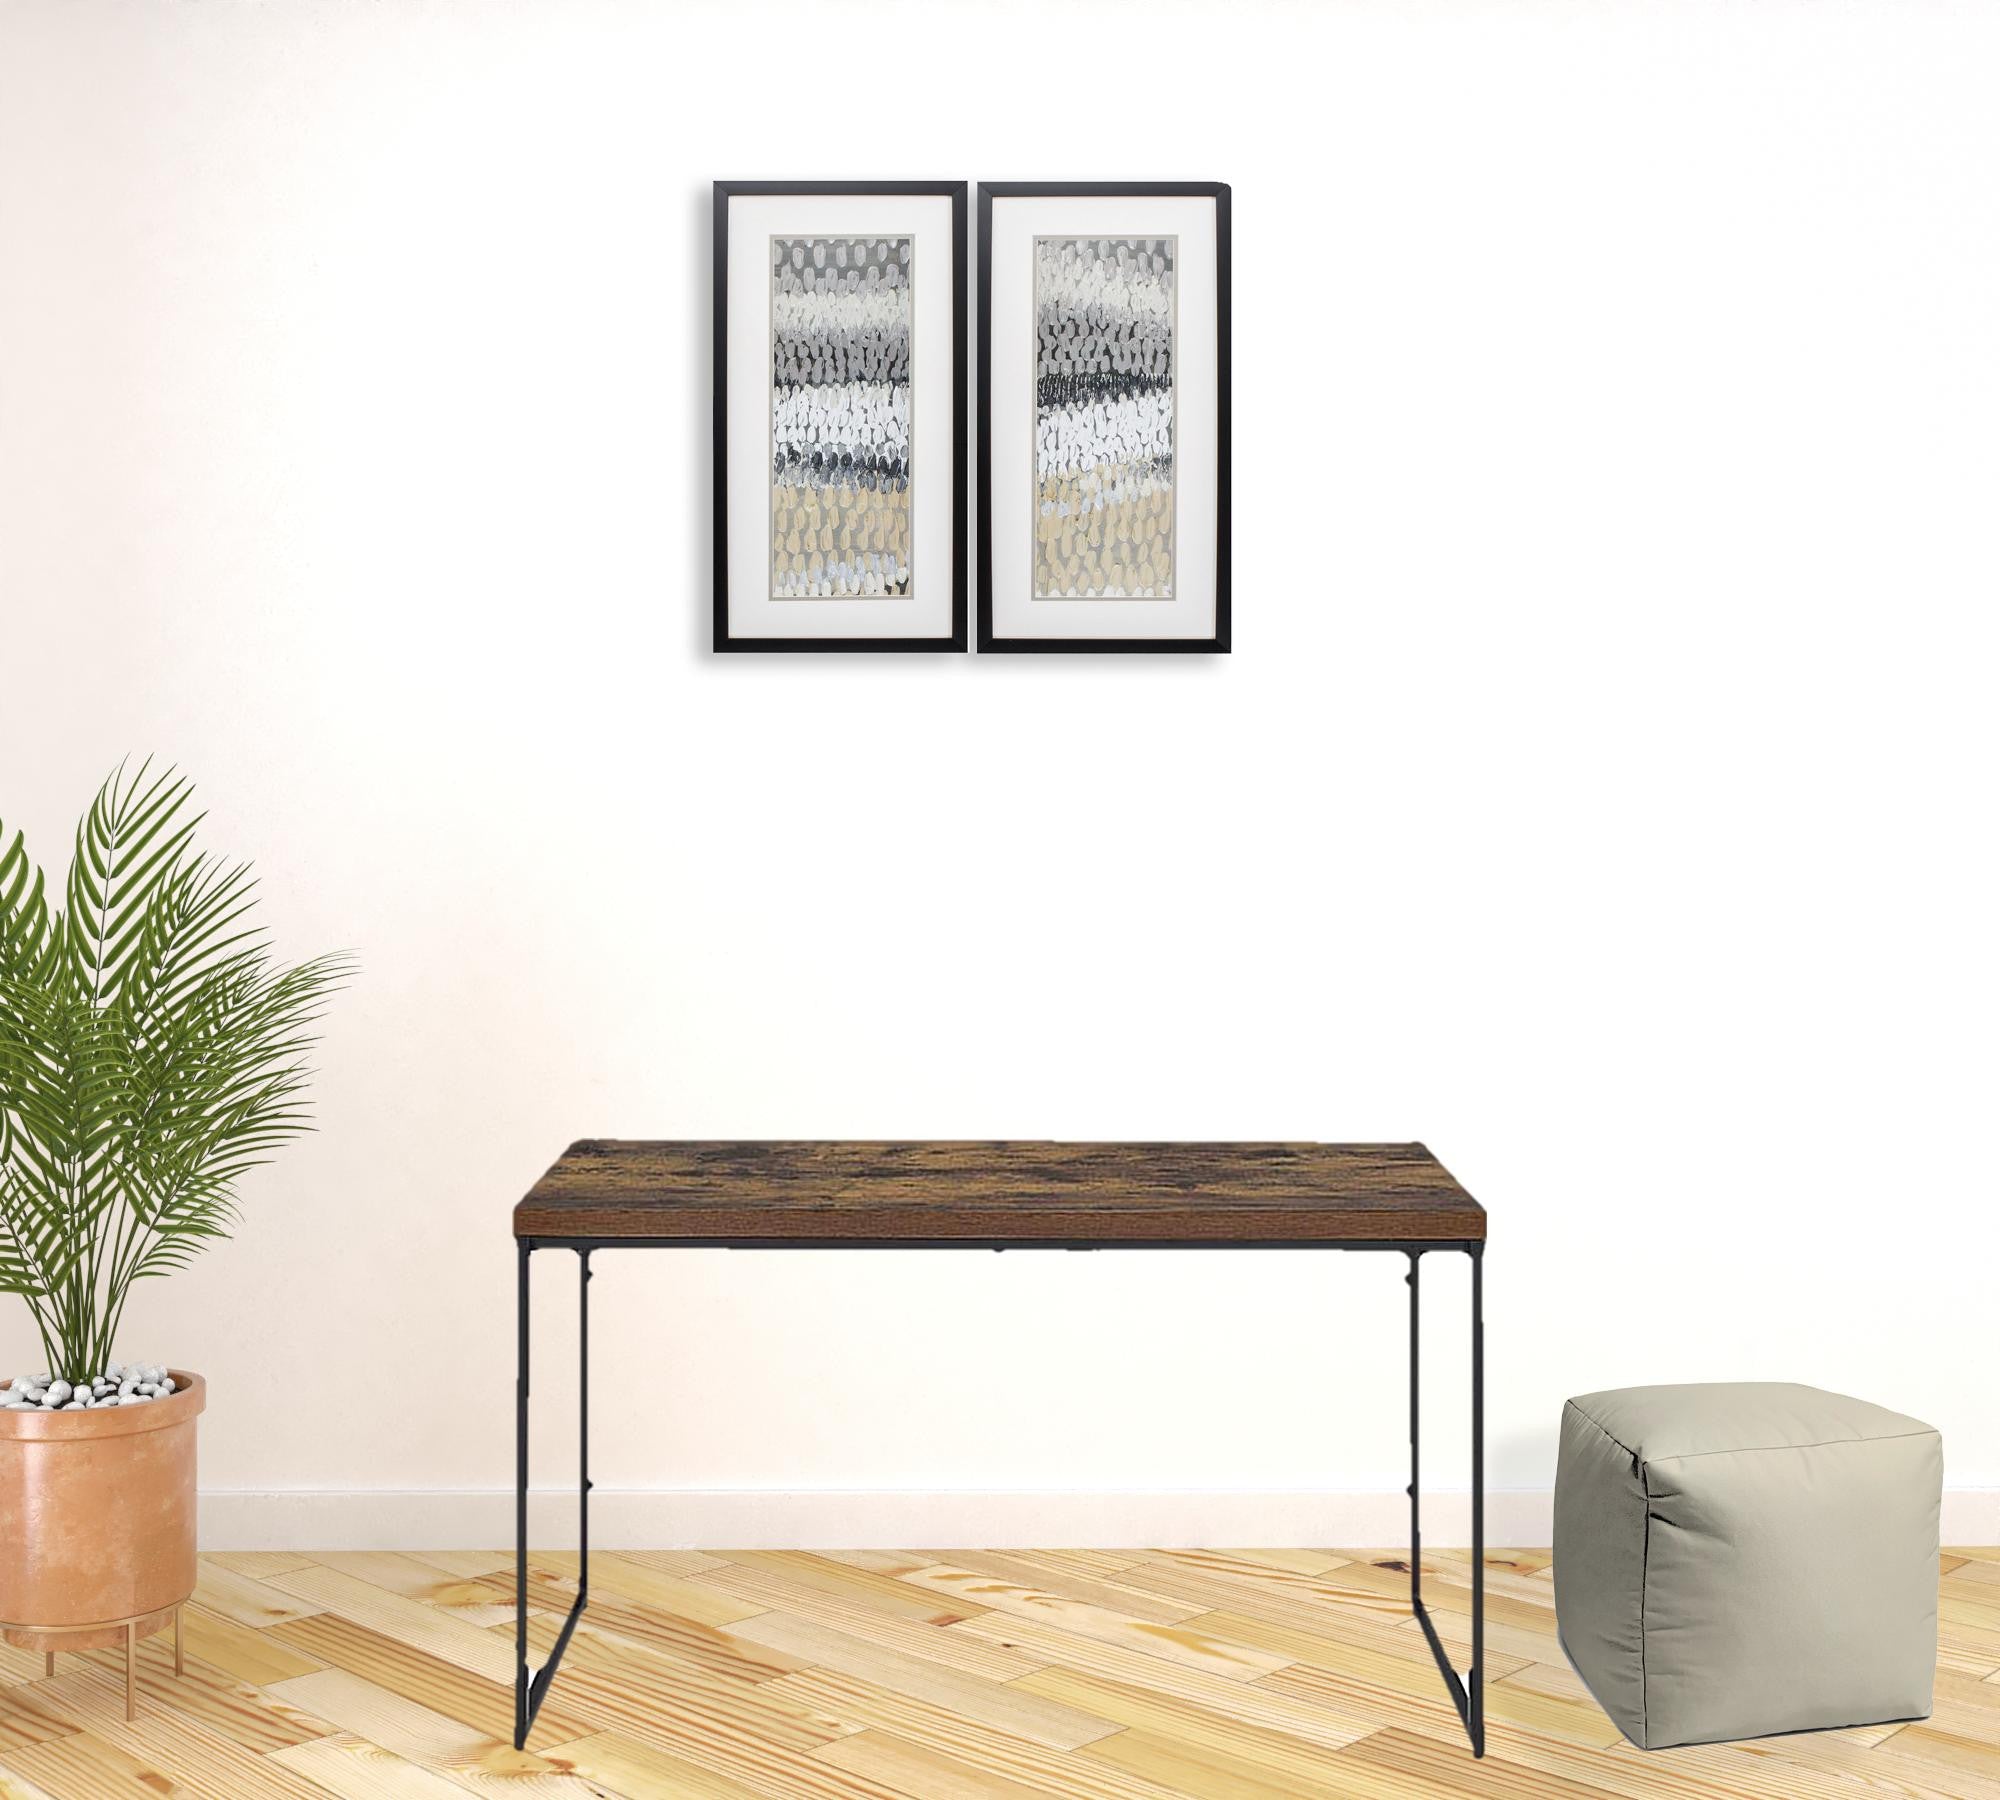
[923, 1674]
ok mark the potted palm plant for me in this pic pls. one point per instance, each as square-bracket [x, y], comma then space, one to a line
[151, 1053]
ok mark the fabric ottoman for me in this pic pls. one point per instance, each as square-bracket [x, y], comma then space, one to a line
[1739, 1558]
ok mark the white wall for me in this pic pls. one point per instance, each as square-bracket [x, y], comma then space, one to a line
[1602, 789]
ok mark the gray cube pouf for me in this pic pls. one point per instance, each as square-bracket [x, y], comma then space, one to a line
[1734, 1559]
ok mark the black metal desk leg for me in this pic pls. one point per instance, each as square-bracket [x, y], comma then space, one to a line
[1467, 1695]
[1476, 1676]
[531, 1690]
[1414, 1280]
[524, 1249]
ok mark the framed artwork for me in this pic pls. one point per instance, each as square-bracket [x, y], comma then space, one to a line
[840, 415]
[1103, 416]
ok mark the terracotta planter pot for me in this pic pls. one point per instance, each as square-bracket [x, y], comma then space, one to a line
[97, 1520]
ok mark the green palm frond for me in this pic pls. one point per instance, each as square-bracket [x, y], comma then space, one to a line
[151, 1055]
[128, 847]
[28, 943]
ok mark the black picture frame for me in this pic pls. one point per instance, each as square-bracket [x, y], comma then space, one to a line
[989, 191]
[959, 192]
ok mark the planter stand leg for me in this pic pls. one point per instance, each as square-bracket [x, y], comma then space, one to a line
[49, 1663]
[131, 1655]
[180, 1666]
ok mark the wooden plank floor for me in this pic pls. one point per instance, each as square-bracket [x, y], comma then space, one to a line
[915, 1675]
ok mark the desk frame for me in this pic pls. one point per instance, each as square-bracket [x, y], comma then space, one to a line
[1468, 1694]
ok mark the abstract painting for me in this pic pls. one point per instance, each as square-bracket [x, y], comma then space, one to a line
[1104, 418]
[1102, 387]
[841, 410]
[840, 417]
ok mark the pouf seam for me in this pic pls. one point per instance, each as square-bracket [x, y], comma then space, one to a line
[1645, 1593]
[1645, 1561]
[1890, 1437]
[1601, 1431]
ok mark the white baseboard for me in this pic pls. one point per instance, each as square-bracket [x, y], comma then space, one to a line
[483, 1519]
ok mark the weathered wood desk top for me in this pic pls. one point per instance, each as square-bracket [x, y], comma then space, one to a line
[1026, 1193]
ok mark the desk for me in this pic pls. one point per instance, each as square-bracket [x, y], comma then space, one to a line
[623, 1195]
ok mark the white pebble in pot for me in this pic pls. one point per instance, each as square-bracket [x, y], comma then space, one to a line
[121, 1384]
